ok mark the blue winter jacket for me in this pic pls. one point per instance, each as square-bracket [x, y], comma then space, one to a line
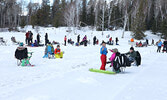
[104, 52]
[49, 49]
[160, 44]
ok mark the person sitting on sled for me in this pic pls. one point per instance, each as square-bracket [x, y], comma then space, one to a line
[103, 52]
[132, 54]
[49, 51]
[58, 53]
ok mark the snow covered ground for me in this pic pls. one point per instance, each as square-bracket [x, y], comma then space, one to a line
[69, 78]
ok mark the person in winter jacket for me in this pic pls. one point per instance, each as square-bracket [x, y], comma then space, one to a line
[65, 40]
[27, 37]
[116, 40]
[97, 42]
[85, 41]
[30, 38]
[159, 44]
[112, 58]
[110, 40]
[46, 39]
[165, 45]
[103, 52]
[38, 38]
[147, 42]
[21, 54]
[132, 54]
[94, 40]
[78, 39]
[152, 42]
[50, 49]
[46, 52]
[58, 53]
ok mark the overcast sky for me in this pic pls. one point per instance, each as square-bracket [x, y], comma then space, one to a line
[33, 1]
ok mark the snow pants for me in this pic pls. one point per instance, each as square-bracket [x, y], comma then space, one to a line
[103, 61]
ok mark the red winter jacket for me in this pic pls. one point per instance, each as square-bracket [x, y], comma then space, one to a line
[57, 51]
[65, 38]
[110, 39]
[27, 34]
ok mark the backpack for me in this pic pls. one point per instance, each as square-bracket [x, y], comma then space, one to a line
[117, 62]
[124, 61]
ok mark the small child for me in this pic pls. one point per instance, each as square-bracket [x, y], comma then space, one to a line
[58, 53]
[103, 52]
[112, 58]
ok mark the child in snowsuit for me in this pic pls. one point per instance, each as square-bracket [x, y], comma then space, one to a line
[112, 58]
[103, 52]
[159, 44]
[58, 53]
[49, 50]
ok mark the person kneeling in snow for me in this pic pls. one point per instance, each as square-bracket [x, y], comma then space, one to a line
[132, 54]
[58, 53]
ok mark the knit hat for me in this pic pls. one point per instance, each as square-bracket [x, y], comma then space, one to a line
[115, 50]
[21, 44]
[131, 48]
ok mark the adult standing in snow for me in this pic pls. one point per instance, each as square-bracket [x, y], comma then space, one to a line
[30, 38]
[159, 44]
[152, 42]
[103, 52]
[78, 38]
[65, 40]
[27, 37]
[165, 45]
[94, 40]
[46, 39]
[147, 42]
[116, 40]
[38, 38]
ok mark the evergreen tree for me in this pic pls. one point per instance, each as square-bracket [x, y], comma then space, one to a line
[45, 13]
[164, 29]
[138, 25]
[84, 12]
[91, 14]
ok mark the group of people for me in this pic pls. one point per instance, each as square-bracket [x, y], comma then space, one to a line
[70, 41]
[95, 41]
[161, 44]
[50, 52]
[111, 41]
[29, 39]
[132, 55]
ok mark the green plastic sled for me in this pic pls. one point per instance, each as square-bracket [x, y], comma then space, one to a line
[101, 71]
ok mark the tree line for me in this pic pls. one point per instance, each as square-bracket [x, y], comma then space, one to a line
[132, 15]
